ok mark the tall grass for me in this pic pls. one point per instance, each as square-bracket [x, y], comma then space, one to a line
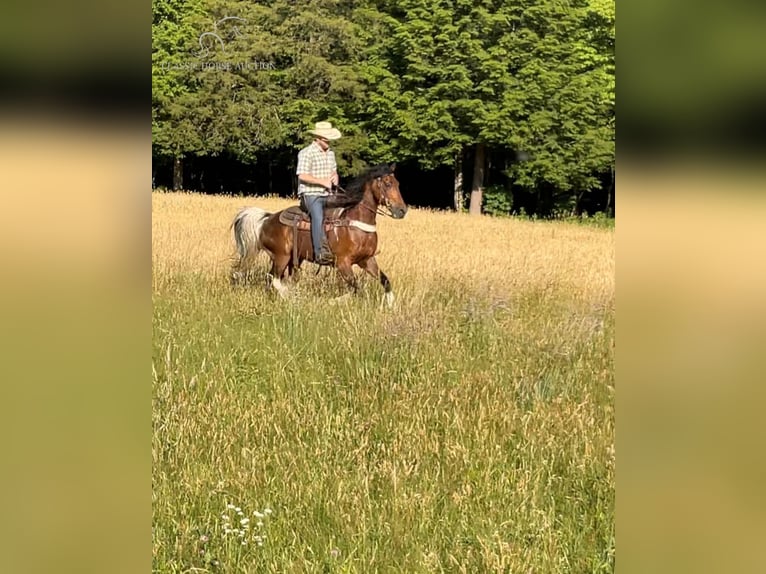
[469, 429]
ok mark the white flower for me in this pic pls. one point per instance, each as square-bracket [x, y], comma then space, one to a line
[258, 514]
[258, 538]
[244, 521]
[225, 516]
[267, 510]
[237, 509]
[244, 543]
[259, 524]
[230, 506]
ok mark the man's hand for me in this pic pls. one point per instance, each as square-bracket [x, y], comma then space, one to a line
[311, 180]
[334, 178]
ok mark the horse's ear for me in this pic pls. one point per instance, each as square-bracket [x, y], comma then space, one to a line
[392, 167]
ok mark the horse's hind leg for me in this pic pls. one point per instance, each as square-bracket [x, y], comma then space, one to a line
[278, 268]
[371, 266]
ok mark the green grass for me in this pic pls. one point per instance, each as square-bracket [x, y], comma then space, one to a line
[460, 432]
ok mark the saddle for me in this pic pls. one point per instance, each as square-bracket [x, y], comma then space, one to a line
[294, 216]
[299, 220]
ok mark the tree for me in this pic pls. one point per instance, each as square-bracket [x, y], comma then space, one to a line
[561, 104]
[441, 74]
[249, 79]
[415, 79]
[173, 34]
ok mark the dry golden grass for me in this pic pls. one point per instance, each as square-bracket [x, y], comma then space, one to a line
[191, 234]
[470, 429]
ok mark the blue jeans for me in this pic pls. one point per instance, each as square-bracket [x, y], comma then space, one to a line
[315, 205]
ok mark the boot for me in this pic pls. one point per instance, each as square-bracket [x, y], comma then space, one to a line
[326, 256]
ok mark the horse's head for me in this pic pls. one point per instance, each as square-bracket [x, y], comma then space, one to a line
[385, 189]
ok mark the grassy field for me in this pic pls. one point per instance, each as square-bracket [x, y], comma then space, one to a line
[469, 429]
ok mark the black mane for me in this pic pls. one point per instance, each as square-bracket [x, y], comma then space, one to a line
[354, 191]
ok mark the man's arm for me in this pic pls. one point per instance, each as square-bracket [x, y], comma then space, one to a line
[311, 180]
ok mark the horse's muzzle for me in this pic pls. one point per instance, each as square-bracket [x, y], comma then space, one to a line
[398, 212]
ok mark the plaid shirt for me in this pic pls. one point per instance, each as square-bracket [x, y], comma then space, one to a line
[313, 161]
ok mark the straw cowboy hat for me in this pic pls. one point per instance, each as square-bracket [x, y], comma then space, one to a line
[325, 130]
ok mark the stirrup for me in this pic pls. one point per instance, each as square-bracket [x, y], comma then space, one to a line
[325, 259]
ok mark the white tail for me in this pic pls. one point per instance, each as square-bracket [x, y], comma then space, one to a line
[247, 233]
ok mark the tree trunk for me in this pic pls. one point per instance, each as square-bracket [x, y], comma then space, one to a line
[458, 189]
[477, 187]
[271, 178]
[576, 211]
[610, 198]
[178, 173]
[609, 206]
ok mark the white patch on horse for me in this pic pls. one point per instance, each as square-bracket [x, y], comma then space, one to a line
[280, 287]
[362, 225]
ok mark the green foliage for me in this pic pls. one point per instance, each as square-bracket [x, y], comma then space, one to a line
[599, 219]
[497, 200]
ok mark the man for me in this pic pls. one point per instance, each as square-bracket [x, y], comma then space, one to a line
[317, 173]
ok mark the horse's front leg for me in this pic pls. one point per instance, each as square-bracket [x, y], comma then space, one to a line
[344, 267]
[371, 266]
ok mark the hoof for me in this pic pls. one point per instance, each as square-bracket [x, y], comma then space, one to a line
[279, 287]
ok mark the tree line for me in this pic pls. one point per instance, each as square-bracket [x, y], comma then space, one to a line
[513, 100]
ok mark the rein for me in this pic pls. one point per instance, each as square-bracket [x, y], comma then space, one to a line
[377, 209]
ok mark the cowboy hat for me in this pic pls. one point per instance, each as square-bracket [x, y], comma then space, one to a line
[325, 130]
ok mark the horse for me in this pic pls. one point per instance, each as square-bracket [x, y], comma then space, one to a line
[350, 227]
